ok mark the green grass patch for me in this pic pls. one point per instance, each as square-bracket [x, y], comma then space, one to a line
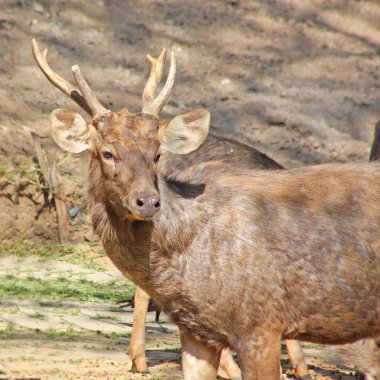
[9, 333]
[37, 315]
[63, 252]
[76, 361]
[50, 334]
[114, 309]
[61, 338]
[316, 346]
[4, 170]
[117, 336]
[66, 335]
[62, 289]
[107, 317]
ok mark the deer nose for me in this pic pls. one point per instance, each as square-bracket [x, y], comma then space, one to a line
[147, 205]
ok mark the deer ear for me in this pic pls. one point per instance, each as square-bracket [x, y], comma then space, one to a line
[70, 131]
[185, 132]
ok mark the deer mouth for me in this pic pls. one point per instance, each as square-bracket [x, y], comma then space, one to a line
[138, 217]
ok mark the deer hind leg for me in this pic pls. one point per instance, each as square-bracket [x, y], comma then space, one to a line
[137, 344]
[228, 364]
[199, 361]
[259, 355]
[297, 359]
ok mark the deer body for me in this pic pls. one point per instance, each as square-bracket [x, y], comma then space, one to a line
[232, 153]
[364, 355]
[244, 258]
[236, 257]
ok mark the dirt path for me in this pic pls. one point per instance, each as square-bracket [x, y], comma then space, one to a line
[47, 337]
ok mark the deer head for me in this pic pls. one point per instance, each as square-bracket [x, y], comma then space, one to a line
[125, 147]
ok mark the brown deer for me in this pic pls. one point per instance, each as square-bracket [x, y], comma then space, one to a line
[214, 148]
[234, 153]
[365, 356]
[237, 258]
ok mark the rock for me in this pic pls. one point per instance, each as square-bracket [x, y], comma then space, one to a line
[38, 7]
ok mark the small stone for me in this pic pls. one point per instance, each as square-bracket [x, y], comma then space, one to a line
[74, 211]
[38, 7]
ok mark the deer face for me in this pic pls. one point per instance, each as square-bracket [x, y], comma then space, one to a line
[125, 148]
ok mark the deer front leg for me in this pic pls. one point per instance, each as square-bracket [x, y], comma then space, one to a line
[137, 344]
[199, 361]
[228, 364]
[297, 359]
[259, 355]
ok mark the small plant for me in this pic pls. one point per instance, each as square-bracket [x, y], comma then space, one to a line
[8, 333]
[107, 317]
[3, 170]
[74, 311]
[76, 361]
[67, 335]
[37, 315]
[90, 347]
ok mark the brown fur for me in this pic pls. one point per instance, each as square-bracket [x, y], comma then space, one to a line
[236, 257]
[284, 248]
[364, 355]
[239, 155]
[220, 149]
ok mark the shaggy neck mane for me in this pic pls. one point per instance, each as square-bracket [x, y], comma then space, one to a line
[175, 225]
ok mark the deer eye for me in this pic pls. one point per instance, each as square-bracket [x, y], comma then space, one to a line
[157, 158]
[107, 154]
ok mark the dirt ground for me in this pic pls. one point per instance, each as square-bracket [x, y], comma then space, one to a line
[298, 80]
[47, 338]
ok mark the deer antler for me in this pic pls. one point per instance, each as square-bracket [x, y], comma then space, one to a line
[66, 87]
[154, 105]
[156, 68]
[92, 101]
[84, 97]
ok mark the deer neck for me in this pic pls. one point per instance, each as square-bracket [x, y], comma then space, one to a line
[180, 217]
[135, 247]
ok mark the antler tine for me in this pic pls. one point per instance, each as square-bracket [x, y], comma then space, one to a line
[94, 104]
[66, 87]
[156, 68]
[158, 103]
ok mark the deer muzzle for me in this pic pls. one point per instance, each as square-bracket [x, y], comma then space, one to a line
[146, 205]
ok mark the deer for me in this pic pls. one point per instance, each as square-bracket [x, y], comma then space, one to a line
[364, 355]
[230, 151]
[234, 153]
[212, 148]
[295, 252]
